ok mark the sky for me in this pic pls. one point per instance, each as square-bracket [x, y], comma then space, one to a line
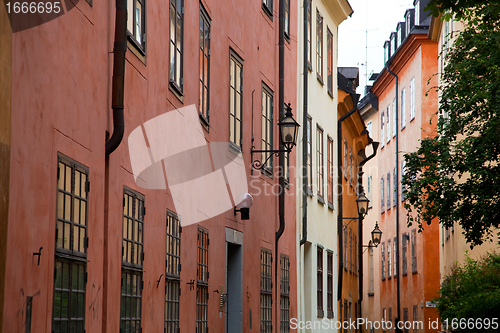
[355, 49]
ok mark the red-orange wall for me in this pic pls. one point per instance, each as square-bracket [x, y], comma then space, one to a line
[61, 83]
[417, 58]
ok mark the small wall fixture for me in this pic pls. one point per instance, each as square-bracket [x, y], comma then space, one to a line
[376, 237]
[244, 206]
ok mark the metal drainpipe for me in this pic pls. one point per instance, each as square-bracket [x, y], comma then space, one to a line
[304, 132]
[360, 225]
[118, 85]
[355, 98]
[281, 174]
[397, 195]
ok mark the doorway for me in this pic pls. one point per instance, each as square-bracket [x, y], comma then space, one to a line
[234, 281]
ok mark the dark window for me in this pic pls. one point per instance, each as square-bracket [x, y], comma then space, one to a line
[405, 253]
[172, 273]
[382, 197]
[394, 186]
[267, 126]
[309, 152]
[346, 244]
[390, 315]
[329, 284]
[287, 19]
[176, 44]
[383, 260]
[320, 281]
[309, 32]
[371, 289]
[413, 251]
[202, 282]
[136, 23]
[395, 256]
[319, 160]
[389, 190]
[204, 98]
[329, 60]
[285, 294]
[330, 171]
[71, 247]
[319, 44]
[389, 259]
[267, 5]
[405, 318]
[415, 318]
[132, 258]
[344, 165]
[266, 289]
[235, 98]
[350, 250]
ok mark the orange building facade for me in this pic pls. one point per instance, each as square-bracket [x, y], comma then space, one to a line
[406, 115]
[82, 246]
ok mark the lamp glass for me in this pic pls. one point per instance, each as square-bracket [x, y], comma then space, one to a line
[362, 202]
[376, 235]
[288, 128]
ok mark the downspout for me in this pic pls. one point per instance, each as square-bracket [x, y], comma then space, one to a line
[281, 173]
[398, 283]
[355, 98]
[360, 224]
[304, 132]
[118, 85]
[117, 96]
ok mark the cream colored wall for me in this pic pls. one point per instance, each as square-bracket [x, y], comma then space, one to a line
[322, 220]
[453, 247]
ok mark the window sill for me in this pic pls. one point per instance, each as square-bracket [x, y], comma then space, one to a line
[320, 79]
[412, 119]
[329, 314]
[321, 313]
[287, 37]
[268, 11]
[330, 206]
[309, 66]
[172, 86]
[132, 45]
[330, 93]
[204, 122]
[321, 200]
[234, 148]
[267, 171]
[371, 294]
[309, 191]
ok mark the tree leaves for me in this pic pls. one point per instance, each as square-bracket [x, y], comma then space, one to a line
[455, 174]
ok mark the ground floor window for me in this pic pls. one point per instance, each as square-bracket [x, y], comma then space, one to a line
[131, 302]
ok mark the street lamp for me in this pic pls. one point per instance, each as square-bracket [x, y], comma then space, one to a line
[376, 236]
[362, 202]
[288, 129]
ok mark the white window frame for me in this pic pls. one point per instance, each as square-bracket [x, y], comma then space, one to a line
[412, 98]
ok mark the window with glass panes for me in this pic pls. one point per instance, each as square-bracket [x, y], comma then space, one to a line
[176, 44]
[371, 286]
[405, 253]
[268, 7]
[235, 98]
[382, 197]
[382, 249]
[319, 160]
[319, 280]
[70, 274]
[346, 245]
[413, 251]
[132, 259]
[389, 190]
[389, 259]
[403, 105]
[285, 294]
[267, 126]
[172, 272]
[344, 165]
[329, 284]
[394, 187]
[309, 32]
[266, 290]
[395, 257]
[329, 60]
[330, 170]
[412, 98]
[287, 19]
[319, 44]
[202, 282]
[204, 98]
[136, 23]
[309, 153]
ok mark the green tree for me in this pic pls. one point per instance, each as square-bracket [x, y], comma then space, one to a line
[460, 7]
[455, 173]
[471, 291]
